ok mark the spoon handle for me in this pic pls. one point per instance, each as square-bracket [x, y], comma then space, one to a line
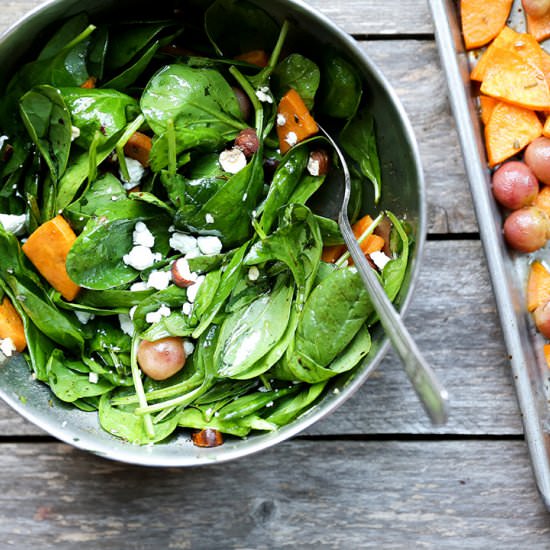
[428, 388]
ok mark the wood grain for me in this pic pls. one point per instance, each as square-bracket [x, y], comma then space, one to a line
[302, 494]
[460, 338]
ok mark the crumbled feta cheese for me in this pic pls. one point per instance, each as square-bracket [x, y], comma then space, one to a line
[132, 312]
[114, 198]
[141, 257]
[193, 254]
[380, 259]
[232, 160]
[126, 324]
[291, 138]
[84, 317]
[209, 218]
[188, 347]
[264, 95]
[142, 236]
[7, 347]
[135, 171]
[155, 316]
[183, 243]
[253, 273]
[13, 223]
[281, 119]
[141, 285]
[187, 308]
[75, 133]
[159, 279]
[313, 166]
[194, 288]
[93, 377]
[270, 404]
[209, 245]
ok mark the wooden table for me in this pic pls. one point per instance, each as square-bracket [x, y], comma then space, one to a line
[375, 474]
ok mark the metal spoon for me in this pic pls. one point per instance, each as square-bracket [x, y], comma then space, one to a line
[432, 394]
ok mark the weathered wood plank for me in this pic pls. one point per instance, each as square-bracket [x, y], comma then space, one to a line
[301, 494]
[460, 338]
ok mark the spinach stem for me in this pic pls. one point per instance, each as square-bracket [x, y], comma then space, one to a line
[138, 386]
[122, 162]
[92, 158]
[181, 400]
[342, 260]
[273, 60]
[80, 38]
[251, 93]
[131, 129]
[172, 154]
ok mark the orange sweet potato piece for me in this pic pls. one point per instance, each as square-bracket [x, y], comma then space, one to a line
[482, 20]
[538, 286]
[543, 199]
[138, 148]
[546, 127]
[89, 83]
[298, 122]
[509, 130]
[254, 57]
[487, 104]
[11, 325]
[373, 243]
[546, 350]
[539, 27]
[47, 248]
[511, 78]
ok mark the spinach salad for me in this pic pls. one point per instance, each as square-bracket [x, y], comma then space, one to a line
[162, 258]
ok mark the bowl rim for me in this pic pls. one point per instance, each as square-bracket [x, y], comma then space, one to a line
[143, 455]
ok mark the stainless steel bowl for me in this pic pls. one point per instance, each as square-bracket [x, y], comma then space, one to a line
[404, 194]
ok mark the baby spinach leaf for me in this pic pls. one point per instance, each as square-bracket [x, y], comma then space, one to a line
[173, 296]
[297, 243]
[194, 418]
[230, 206]
[97, 52]
[70, 385]
[251, 27]
[285, 180]
[124, 424]
[290, 407]
[301, 74]
[333, 313]
[394, 271]
[340, 86]
[113, 298]
[192, 99]
[306, 188]
[48, 122]
[358, 139]
[95, 259]
[250, 333]
[66, 33]
[97, 110]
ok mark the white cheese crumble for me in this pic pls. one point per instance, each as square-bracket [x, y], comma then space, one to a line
[142, 236]
[141, 285]
[380, 259]
[253, 273]
[188, 347]
[159, 279]
[183, 243]
[126, 324]
[291, 138]
[141, 257]
[281, 119]
[7, 347]
[232, 160]
[313, 166]
[264, 95]
[13, 223]
[194, 288]
[187, 308]
[155, 316]
[93, 377]
[75, 133]
[209, 218]
[135, 171]
[209, 245]
[84, 317]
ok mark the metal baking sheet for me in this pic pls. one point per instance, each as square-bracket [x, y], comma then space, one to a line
[508, 271]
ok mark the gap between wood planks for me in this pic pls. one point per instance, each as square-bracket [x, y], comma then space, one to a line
[391, 37]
